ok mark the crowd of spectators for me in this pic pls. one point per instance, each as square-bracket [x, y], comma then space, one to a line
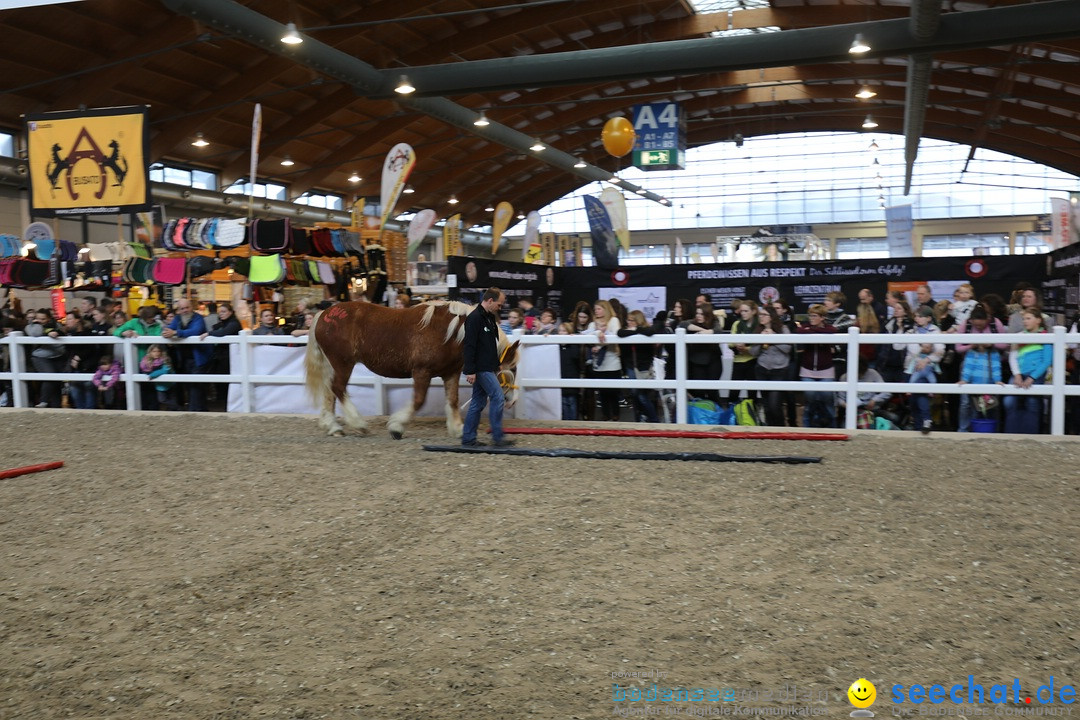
[923, 356]
[106, 317]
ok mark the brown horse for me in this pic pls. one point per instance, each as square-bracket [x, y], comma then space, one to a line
[421, 342]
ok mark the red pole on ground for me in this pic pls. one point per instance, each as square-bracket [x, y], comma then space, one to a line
[16, 472]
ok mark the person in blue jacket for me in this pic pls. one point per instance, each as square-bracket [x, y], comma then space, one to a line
[191, 359]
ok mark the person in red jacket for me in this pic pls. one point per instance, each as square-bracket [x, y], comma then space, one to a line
[816, 365]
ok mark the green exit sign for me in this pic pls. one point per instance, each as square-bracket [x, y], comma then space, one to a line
[670, 159]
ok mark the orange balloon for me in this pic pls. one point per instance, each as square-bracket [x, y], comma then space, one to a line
[618, 136]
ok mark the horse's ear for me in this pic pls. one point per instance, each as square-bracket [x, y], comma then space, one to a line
[512, 352]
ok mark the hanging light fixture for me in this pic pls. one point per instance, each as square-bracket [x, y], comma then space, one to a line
[489, 208]
[521, 216]
[865, 93]
[481, 121]
[408, 190]
[869, 123]
[453, 200]
[580, 163]
[404, 87]
[199, 140]
[537, 146]
[354, 178]
[287, 162]
[291, 37]
[859, 45]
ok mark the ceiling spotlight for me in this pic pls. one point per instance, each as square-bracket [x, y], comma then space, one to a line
[865, 93]
[404, 87]
[869, 123]
[580, 163]
[291, 37]
[489, 209]
[537, 146]
[408, 190]
[199, 140]
[481, 121]
[354, 178]
[521, 216]
[858, 45]
[287, 162]
[453, 200]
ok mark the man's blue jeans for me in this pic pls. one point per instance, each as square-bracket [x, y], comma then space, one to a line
[485, 388]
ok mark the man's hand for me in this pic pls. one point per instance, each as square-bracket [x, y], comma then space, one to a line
[470, 379]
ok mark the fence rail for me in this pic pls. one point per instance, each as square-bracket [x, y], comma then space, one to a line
[1055, 389]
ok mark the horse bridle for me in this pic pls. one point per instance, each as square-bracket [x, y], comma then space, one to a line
[506, 383]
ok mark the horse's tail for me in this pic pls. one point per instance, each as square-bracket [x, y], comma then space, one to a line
[318, 371]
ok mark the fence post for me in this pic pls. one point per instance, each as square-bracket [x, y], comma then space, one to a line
[1057, 382]
[19, 397]
[680, 376]
[852, 410]
[131, 368]
[247, 403]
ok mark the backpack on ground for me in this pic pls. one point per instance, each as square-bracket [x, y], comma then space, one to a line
[746, 413]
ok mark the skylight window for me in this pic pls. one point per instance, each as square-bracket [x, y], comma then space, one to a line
[711, 6]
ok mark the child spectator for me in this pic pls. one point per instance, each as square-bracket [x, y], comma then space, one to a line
[921, 365]
[106, 379]
[868, 403]
[1029, 364]
[155, 364]
[982, 364]
[570, 366]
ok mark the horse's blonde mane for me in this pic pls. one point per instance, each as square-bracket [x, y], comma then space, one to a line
[455, 329]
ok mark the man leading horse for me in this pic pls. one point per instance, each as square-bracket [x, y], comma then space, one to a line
[481, 368]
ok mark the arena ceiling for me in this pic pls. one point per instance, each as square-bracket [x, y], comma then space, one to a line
[202, 72]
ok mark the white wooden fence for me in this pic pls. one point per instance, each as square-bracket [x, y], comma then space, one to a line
[1056, 389]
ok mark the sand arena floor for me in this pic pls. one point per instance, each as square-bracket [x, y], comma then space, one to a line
[214, 566]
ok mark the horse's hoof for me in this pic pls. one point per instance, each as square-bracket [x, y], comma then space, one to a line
[395, 434]
[337, 433]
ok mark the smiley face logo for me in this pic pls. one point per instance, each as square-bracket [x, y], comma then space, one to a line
[862, 693]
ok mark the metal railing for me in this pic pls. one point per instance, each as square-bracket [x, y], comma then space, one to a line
[681, 385]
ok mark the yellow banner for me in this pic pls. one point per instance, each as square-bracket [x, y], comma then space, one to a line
[452, 236]
[88, 162]
[504, 213]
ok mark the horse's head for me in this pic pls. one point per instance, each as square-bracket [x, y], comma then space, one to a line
[509, 354]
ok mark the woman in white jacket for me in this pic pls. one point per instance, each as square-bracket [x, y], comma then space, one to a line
[606, 362]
